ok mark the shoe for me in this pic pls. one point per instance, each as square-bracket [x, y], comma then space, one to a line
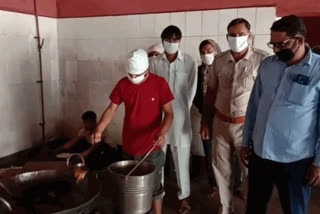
[185, 207]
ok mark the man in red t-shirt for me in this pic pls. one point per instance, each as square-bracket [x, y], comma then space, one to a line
[146, 97]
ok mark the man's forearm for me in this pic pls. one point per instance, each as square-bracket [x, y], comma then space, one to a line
[208, 106]
[71, 142]
[90, 150]
[207, 111]
[166, 123]
[106, 117]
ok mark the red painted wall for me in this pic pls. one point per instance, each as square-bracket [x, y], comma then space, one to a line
[298, 7]
[313, 30]
[88, 8]
[80, 8]
[45, 7]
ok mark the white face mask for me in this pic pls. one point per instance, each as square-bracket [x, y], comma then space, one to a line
[170, 48]
[207, 58]
[238, 44]
[136, 80]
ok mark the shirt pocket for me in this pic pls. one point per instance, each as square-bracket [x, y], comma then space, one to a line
[225, 80]
[248, 78]
[299, 94]
[248, 82]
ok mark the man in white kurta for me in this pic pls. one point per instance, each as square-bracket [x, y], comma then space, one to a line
[180, 70]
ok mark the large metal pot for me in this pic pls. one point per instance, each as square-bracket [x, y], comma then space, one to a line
[48, 191]
[17, 186]
[133, 193]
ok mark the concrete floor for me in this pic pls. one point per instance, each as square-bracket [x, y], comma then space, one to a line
[201, 204]
[199, 201]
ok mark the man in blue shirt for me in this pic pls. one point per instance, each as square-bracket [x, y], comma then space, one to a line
[282, 122]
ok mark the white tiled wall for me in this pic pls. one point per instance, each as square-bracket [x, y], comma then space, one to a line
[83, 59]
[92, 51]
[19, 71]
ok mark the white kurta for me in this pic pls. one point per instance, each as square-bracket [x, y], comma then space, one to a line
[182, 78]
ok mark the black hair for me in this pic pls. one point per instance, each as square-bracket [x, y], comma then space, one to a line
[239, 21]
[89, 115]
[292, 25]
[171, 32]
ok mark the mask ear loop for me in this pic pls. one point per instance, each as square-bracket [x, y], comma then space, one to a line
[250, 40]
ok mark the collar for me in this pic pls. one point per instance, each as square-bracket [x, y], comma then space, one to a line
[308, 57]
[246, 57]
[179, 57]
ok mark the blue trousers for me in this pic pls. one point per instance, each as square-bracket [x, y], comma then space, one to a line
[289, 178]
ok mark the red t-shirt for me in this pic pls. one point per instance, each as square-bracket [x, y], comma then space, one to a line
[143, 111]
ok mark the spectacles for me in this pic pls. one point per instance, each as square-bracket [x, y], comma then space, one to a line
[279, 45]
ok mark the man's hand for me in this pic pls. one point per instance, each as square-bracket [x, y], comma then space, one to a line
[96, 137]
[293, 44]
[244, 155]
[79, 173]
[313, 176]
[160, 140]
[204, 131]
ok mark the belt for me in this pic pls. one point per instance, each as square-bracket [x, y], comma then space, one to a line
[235, 120]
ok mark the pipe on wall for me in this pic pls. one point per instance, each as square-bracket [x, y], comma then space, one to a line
[40, 81]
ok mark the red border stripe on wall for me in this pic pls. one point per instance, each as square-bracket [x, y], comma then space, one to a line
[85, 8]
[92, 8]
[46, 8]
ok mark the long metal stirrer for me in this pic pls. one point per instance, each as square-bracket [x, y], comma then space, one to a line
[138, 164]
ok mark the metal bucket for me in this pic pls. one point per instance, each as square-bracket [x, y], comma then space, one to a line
[133, 193]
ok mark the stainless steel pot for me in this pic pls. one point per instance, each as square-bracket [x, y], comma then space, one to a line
[134, 192]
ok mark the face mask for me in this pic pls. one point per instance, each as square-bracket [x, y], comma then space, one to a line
[285, 55]
[207, 59]
[238, 44]
[136, 80]
[152, 57]
[170, 48]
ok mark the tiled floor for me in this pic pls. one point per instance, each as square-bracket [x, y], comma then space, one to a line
[202, 205]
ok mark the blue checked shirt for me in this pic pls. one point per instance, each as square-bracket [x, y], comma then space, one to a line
[282, 119]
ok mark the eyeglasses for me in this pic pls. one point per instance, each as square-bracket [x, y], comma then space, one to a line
[279, 45]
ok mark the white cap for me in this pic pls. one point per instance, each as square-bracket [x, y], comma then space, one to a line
[138, 61]
[157, 47]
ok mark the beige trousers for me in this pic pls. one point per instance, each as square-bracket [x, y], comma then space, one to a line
[227, 142]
